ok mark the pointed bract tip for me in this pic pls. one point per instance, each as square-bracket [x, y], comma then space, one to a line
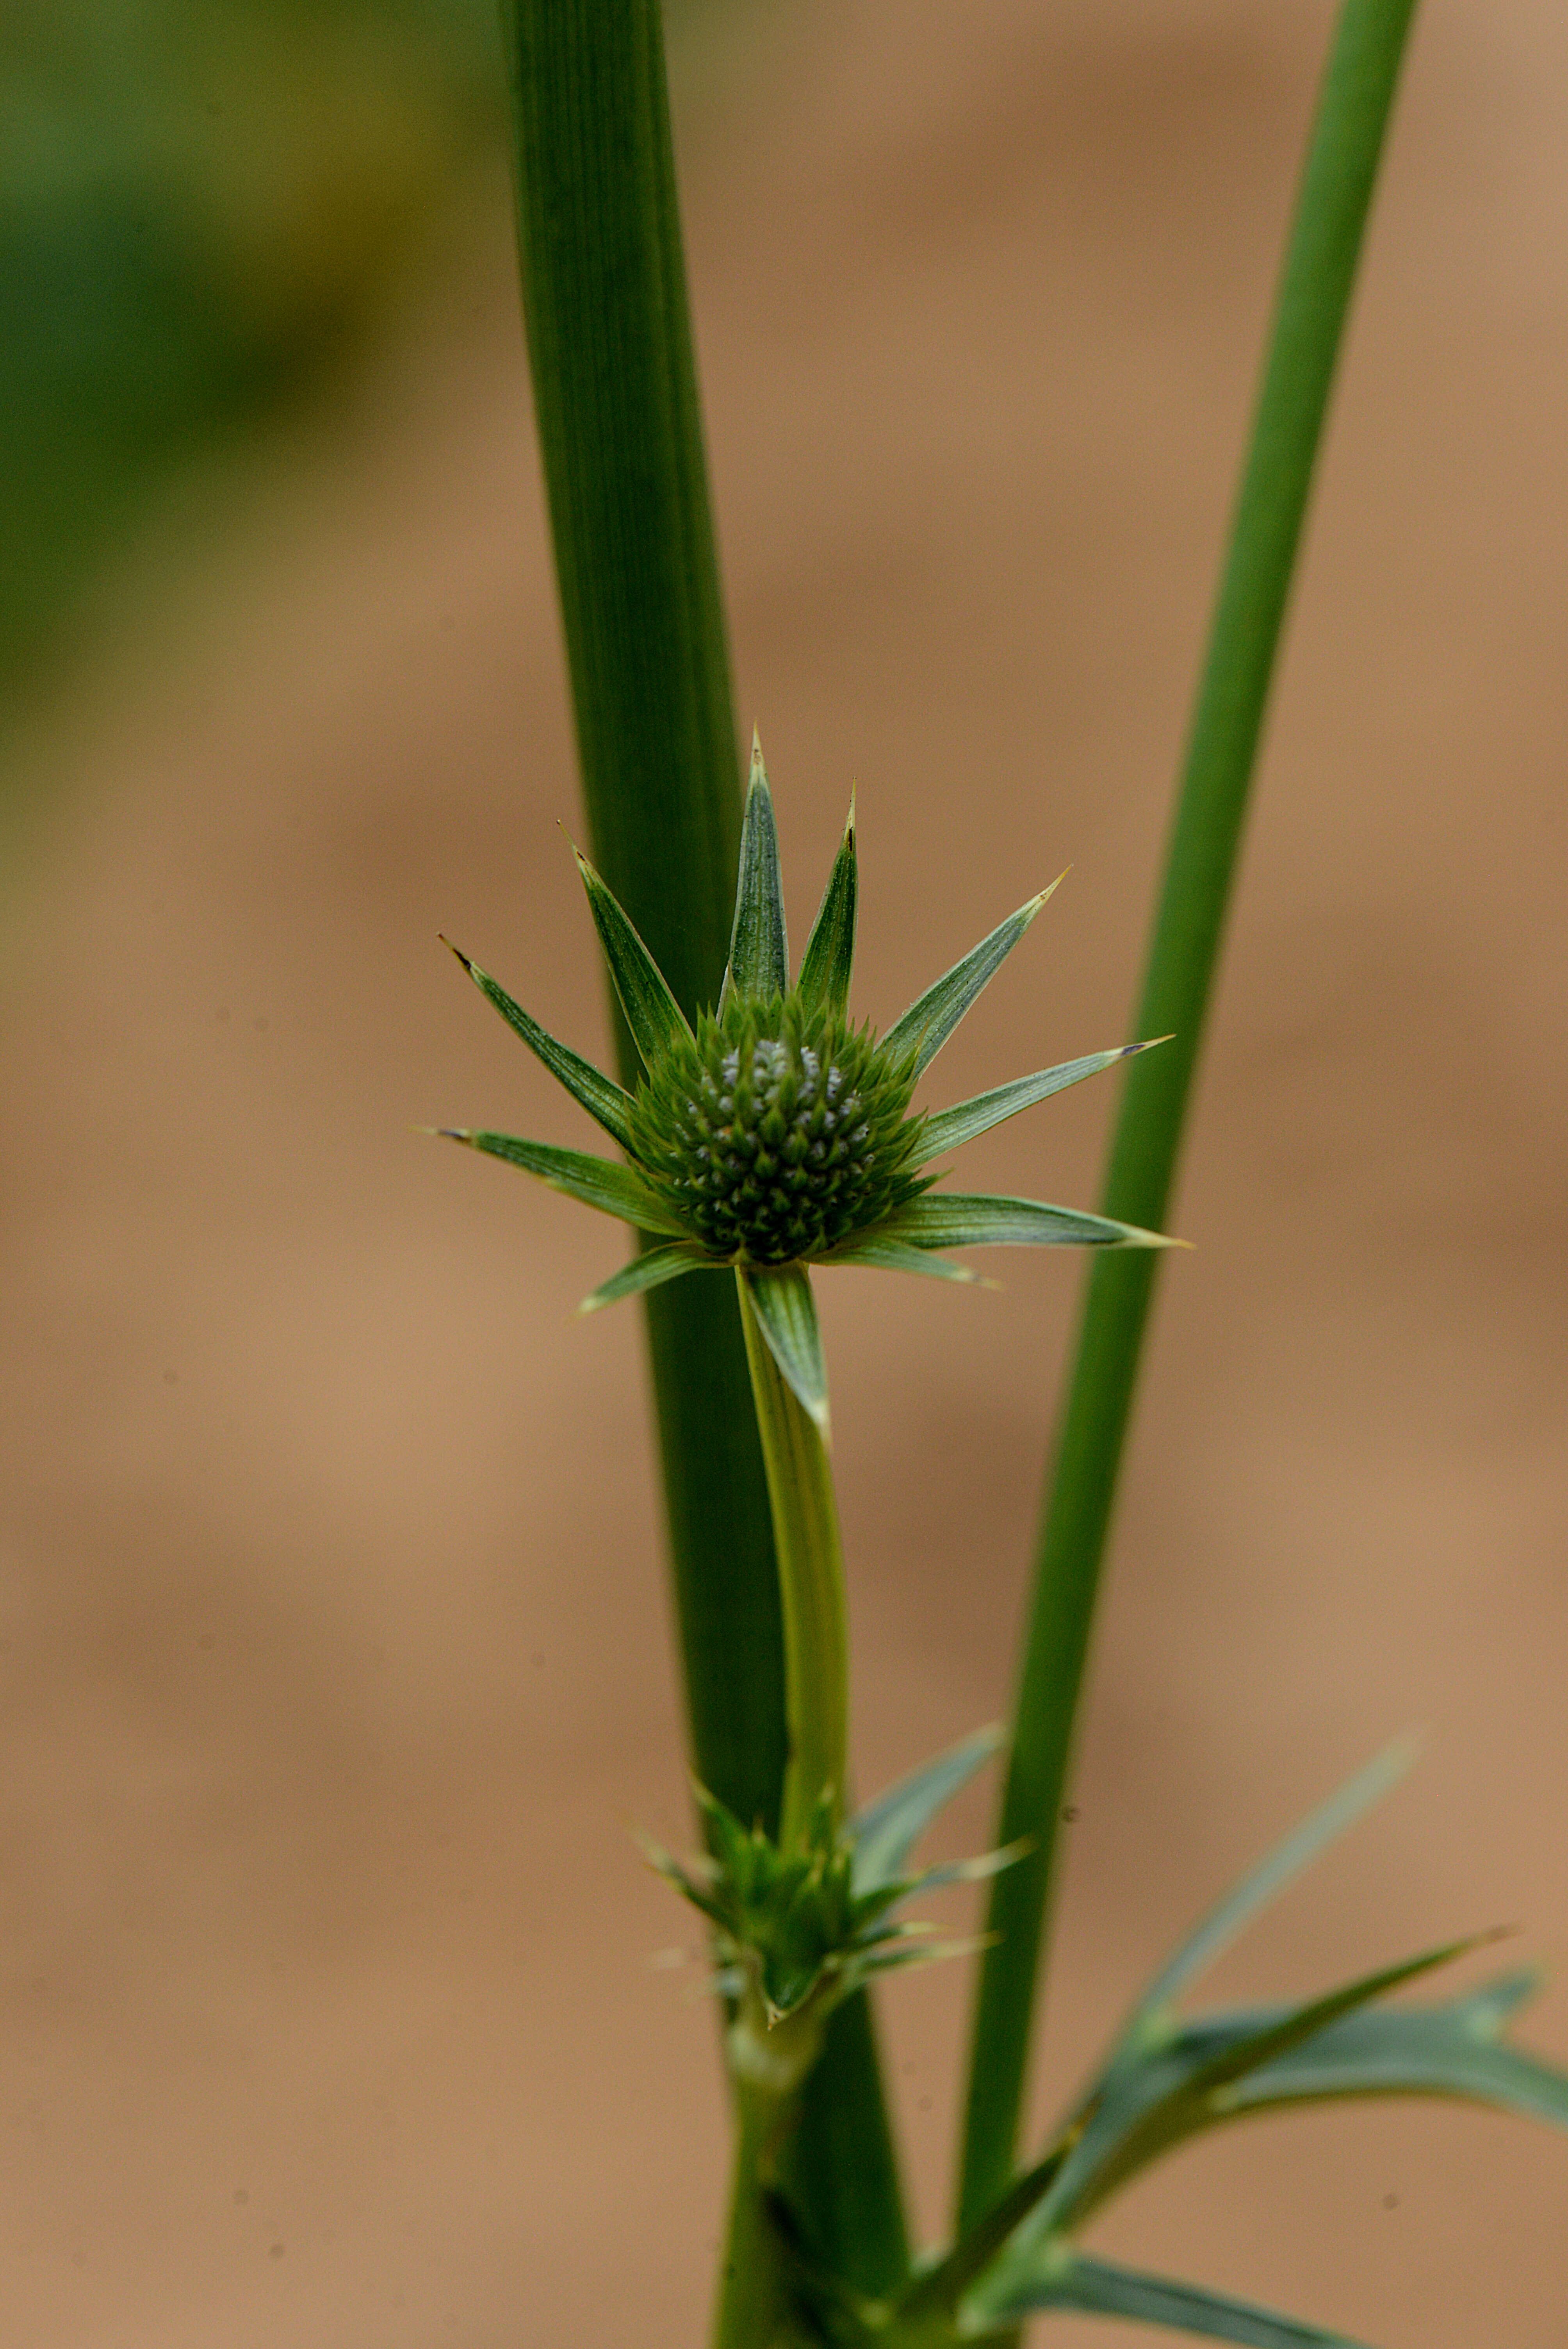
[850, 826]
[1147, 1045]
[759, 772]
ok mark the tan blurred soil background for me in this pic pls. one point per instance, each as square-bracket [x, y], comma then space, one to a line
[334, 1649]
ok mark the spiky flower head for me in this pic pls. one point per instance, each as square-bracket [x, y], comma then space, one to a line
[778, 1130]
[774, 1135]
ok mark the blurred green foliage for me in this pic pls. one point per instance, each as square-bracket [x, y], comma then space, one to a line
[198, 199]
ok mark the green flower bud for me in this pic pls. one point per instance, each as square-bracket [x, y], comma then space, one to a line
[778, 1130]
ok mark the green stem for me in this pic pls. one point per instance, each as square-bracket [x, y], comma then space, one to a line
[752, 2309]
[1315, 292]
[811, 1556]
[616, 400]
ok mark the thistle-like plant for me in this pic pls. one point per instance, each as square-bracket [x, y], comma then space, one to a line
[776, 1133]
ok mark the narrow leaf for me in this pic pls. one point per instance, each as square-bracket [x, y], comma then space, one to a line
[949, 1129]
[877, 1252]
[653, 1015]
[1095, 2287]
[968, 1219]
[938, 2292]
[597, 1182]
[1264, 1882]
[787, 1316]
[758, 945]
[887, 1830]
[926, 1025]
[1455, 2050]
[824, 982]
[598, 1095]
[1144, 2109]
[652, 1269]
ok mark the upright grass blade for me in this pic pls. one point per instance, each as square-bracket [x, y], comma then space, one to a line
[1313, 299]
[615, 399]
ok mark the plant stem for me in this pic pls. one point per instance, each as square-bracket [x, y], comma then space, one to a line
[616, 400]
[1326, 240]
[809, 1550]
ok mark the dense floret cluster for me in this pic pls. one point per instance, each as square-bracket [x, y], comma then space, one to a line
[777, 1131]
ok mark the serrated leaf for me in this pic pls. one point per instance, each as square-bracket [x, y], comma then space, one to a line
[824, 981]
[971, 1219]
[652, 1269]
[598, 1182]
[926, 1025]
[1229, 1915]
[787, 1316]
[597, 1093]
[949, 1129]
[1097, 2288]
[759, 965]
[888, 1829]
[877, 1251]
[653, 1015]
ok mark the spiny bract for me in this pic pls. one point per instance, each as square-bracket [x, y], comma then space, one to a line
[774, 1135]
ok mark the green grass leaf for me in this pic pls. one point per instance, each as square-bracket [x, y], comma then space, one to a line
[824, 981]
[887, 1830]
[949, 1129]
[926, 1025]
[652, 1269]
[787, 1316]
[968, 1219]
[597, 1093]
[653, 1015]
[1095, 2287]
[759, 964]
[597, 1182]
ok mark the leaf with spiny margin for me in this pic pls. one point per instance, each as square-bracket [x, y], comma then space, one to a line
[887, 1830]
[653, 1015]
[970, 1219]
[1146, 2105]
[926, 1025]
[597, 1182]
[1071, 2280]
[759, 964]
[949, 1129]
[824, 981]
[597, 1093]
[787, 1316]
[1230, 1915]
[1455, 2050]
[650, 1270]
[876, 1252]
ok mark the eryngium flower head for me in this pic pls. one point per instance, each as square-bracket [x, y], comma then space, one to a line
[778, 1130]
[773, 1135]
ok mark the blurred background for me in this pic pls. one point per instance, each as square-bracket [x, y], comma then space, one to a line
[333, 1635]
